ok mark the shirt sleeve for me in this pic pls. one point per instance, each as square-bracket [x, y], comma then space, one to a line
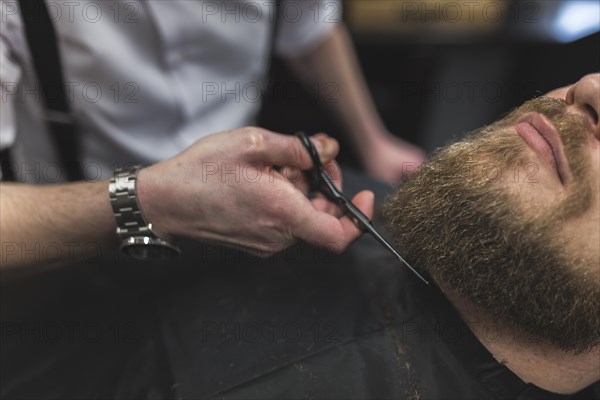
[303, 23]
[10, 75]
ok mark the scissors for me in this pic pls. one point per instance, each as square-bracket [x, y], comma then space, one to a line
[320, 181]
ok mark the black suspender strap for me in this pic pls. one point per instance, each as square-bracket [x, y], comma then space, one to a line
[274, 28]
[276, 17]
[6, 165]
[43, 46]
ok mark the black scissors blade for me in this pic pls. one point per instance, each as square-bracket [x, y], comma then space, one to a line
[321, 181]
[365, 224]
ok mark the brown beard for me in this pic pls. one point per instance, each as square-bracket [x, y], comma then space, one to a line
[474, 236]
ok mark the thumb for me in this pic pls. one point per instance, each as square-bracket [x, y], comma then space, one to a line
[365, 201]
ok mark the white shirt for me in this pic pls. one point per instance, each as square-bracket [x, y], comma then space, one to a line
[146, 79]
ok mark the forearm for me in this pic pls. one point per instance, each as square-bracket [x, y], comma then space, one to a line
[54, 224]
[45, 224]
[334, 62]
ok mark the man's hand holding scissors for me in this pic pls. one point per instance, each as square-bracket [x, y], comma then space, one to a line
[246, 188]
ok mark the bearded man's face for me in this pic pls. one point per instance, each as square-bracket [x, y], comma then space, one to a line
[512, 223]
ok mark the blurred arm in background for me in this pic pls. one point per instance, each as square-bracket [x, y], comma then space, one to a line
[333, 60]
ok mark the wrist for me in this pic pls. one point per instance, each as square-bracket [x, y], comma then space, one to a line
[372, 143]
[152, 201]
[138, 237]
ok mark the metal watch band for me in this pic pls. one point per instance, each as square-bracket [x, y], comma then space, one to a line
[123, 199]
[137, 238]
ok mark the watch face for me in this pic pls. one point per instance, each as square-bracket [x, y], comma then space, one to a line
[145, 248]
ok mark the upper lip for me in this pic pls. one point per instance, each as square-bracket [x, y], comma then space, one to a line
[547, 131]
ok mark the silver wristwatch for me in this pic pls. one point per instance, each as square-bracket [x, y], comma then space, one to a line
[136, 235]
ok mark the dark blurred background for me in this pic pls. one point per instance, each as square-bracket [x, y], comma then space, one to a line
[438, 69]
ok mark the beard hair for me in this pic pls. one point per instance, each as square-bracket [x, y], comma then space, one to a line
[473, 236]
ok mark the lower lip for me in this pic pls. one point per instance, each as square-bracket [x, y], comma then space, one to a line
[537, 142]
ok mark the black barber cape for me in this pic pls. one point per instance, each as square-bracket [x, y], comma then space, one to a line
[359, 326]
[303, 324]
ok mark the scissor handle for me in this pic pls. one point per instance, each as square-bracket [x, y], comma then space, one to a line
[320, 180]
[314, 156]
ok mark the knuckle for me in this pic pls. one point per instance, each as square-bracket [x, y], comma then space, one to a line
[299, 160]
[255, 140]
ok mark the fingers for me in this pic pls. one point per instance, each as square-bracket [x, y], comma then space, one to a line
[335, 173]
[298, 178]
[327, 147]
[324, 230]
[284, 150]
[316, 224]
[321, 203]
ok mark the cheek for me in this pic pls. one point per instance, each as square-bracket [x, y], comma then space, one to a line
[533, 186]
[596, 165]
[582, 234]
[595, 181]
[582, 237]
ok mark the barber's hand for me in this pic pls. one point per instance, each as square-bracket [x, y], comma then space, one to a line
[391, 159]
[244, 188]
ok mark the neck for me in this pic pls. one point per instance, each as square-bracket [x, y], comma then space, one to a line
[533, 360]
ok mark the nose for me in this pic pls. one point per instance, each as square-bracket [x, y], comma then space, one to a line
[584, 96]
